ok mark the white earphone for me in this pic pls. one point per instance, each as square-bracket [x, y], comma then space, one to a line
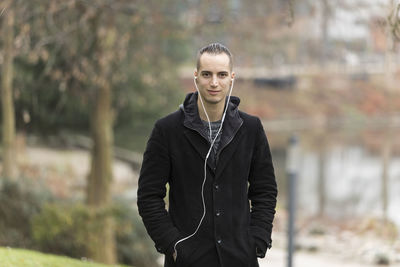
[208, 154]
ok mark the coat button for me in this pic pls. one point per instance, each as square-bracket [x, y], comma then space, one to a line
[216, 187]
[217, 213]
[219, 241]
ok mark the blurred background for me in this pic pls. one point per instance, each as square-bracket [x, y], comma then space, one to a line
[83, 82]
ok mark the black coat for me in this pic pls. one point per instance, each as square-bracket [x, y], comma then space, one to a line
[231, 232]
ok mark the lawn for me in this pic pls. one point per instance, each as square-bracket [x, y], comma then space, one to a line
[12, 257]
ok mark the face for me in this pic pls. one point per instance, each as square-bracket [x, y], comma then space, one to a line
[214, 78]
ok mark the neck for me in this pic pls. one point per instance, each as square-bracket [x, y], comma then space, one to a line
[214, 111]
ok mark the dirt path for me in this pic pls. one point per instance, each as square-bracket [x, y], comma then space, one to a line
[277, 258]
[65, 170]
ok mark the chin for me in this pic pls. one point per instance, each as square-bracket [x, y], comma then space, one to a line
[214, 100]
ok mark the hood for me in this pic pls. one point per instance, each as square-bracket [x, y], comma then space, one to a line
[192, 118]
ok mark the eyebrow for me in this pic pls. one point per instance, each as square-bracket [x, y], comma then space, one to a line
[220, 72]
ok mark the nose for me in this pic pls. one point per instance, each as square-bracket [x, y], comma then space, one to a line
[214, 81]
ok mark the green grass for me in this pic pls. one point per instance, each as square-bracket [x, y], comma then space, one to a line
[12, 257]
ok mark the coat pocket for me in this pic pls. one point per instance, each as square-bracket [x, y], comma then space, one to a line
[252, 261]
[252, 244]
[185, 250]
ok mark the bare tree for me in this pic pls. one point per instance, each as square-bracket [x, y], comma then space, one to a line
[321, 177]
[392, 34]
[394, 19]
[9, 166]
[326, 13]
[98, 198]
[386, 154]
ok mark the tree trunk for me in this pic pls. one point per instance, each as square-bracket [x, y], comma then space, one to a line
[386, 152]
[9, 165]
[101, 172]
[321, 148]
[386, 155]
[321, 180]
[389, 53]
[324, 32]
[101, 239]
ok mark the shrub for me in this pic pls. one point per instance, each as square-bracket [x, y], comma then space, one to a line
[30, 217]
[134, 246]
[20, 200]
[63, 228]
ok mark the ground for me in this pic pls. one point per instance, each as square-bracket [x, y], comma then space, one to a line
[361, 242]
[10, 257]
[278, 258]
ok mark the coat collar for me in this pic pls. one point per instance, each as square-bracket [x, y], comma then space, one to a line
[231, 126]
[192, 118]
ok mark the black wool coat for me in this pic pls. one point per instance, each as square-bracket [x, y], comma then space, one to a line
[239, 192]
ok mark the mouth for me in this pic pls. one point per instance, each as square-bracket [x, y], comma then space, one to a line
[211, 92]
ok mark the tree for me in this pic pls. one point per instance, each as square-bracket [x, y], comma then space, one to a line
[102, 241]
[394, 19]
[96, 67]
[9, 166]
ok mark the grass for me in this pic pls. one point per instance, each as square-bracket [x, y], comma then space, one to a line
[12, 257]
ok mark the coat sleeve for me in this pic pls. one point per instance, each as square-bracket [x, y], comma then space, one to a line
[153, 177]
[262, 192]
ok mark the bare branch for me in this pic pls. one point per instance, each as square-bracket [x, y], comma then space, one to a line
[290, 20]
[2, 11]
[5, 5]
[394, 22]
[124, 7]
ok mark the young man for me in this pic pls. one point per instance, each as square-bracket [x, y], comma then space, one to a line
[215, 164]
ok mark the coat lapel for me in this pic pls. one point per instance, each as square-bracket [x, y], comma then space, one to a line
[230, 138]
[227, 153]
[199, 144]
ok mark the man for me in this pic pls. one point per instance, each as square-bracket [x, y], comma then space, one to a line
[214, 164]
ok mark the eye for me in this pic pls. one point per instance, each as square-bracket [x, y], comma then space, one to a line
[223, 75]
[205, 74]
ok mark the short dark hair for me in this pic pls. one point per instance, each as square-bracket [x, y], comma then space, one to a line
[215, 49]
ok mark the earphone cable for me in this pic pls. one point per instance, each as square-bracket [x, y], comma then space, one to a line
[205, 161]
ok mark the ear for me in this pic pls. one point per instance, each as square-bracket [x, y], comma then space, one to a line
[232, 75]
[195, 73]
